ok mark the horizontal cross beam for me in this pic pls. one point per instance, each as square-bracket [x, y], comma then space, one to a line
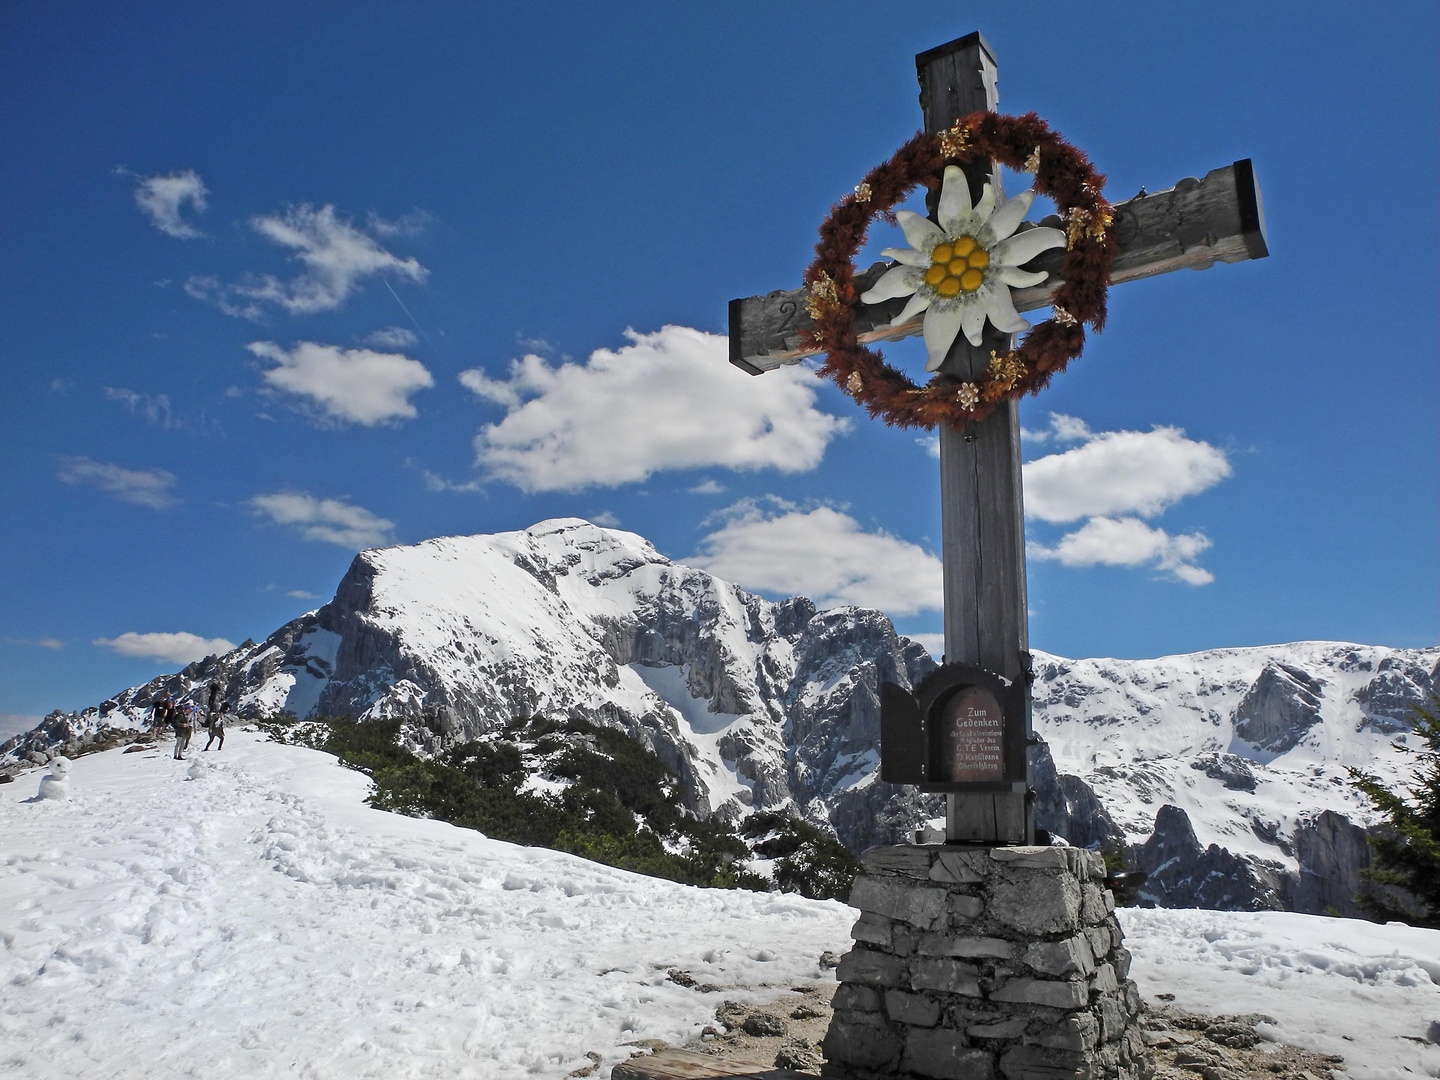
[1194, 225]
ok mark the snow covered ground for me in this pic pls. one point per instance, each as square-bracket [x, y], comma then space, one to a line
[245, 914]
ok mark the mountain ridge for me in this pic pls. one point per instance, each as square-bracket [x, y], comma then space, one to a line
[770, 704]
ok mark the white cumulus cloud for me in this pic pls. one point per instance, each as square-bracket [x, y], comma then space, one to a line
[176, 648]
[820, 553]
[332, 521]
[336, 255]
[357, 385]
[142, 487]
[1121, 472]
[163, 197]
[1128, 541]
[668, 400]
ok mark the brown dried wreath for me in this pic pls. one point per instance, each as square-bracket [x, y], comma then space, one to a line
[1062, 172]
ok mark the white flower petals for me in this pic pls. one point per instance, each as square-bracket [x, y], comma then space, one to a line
[954, 209]
[1020, 279]
[942, 323]
[1000, 307]
[1022, 247]
[897, 281]
[918, 303]
[1008, 215]
[972, 321]
[993, 228]
[906, 256]
[921, 233]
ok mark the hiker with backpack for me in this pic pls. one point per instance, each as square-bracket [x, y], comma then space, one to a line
[217, 726]
[183, 720]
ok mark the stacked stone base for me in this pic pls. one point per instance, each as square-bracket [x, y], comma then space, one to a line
[975, 963]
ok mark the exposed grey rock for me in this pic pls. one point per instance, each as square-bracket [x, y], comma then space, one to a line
[951, 976]
[871, 968]
[922, 907]
[863, 1040]
[1182, 873]
[1057, 995]
[1067, 806]
[764, 1024]
[1034, 902]
[1390, 698]
[1234, 772]
[1280, 708]
[1072, 956]
[940, 1054]
[914, 1009]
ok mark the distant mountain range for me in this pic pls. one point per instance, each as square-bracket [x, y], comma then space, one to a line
[1222, 771]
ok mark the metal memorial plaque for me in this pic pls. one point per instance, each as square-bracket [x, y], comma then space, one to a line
[971, 742]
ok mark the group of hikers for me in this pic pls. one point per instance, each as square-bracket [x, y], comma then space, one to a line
[184, 716]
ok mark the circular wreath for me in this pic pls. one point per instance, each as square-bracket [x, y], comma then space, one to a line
[1062, 172]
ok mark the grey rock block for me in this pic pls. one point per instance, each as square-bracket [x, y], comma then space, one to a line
[950, 976]
[967, 947]
[1034, 902]
[1041, 1063]
[965, 909]
[905, 860]
[895, 898]
[1078, 1033]
[942, 1054]
[958, 867]
[917, 1010]
[1112, 1020]
[1104, 980]
[872, 928]
[1072, 956]
[1034, 858]
[855, 998]
[1003, 1029]
[1057, 995]
[1092, 904]
[871, 967]
[1100, 941]
[862, 1040]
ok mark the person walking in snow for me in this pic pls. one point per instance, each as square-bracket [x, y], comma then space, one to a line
[160, 712]
[217, 727]
[184, 723]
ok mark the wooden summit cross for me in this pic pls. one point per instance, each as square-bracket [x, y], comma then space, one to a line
[1195, 224]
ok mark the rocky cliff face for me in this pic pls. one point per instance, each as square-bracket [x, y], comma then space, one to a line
[759, 704]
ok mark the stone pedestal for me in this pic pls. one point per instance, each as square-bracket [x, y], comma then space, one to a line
[973, 963]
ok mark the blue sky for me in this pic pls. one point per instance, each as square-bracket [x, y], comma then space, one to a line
[268, 267]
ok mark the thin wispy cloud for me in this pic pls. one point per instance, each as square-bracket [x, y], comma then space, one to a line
[667, 400]
[41, 643]
[140, 487]
[359, 386]
[774, 547]
[164, 198]
[337, 257]
[153, 409]
[301, 594]
[331, 521]
[392, 337]
[174, 648]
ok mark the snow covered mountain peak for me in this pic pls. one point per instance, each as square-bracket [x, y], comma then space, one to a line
[764, 704]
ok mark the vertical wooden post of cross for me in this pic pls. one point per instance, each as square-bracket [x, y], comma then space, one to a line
[981, 508]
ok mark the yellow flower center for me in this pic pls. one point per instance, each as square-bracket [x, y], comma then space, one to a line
[957, 266]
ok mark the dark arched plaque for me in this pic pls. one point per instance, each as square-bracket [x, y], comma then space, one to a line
[971, 740]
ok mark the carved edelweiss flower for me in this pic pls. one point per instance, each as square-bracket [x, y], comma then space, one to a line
[961, 271]
[968, 395]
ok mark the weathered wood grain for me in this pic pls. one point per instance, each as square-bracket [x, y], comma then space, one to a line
[982, 517]
[684, 1065]
[1192, 226]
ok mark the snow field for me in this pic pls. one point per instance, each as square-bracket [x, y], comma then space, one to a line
[245, 914]
[1369, 993]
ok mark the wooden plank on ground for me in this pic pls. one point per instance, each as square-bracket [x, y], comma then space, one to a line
[1193, 225]
[686, 1065]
